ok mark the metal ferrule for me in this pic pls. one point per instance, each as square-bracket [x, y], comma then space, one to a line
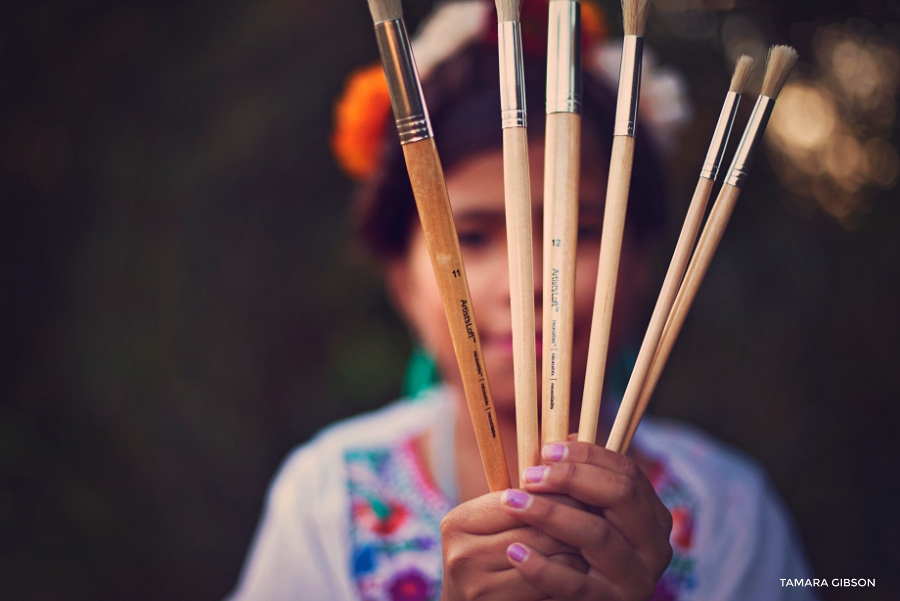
[564, 57]
[403, 82]
[720, 136]
[512, 75]
[629, 86]
[753, 134]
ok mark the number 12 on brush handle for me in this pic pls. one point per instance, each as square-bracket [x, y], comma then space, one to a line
[562, 150]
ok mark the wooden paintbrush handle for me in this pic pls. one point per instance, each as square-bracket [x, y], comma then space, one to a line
[561, 173]
[621, 161]
[517, 188]
[430, 191]
[706, 248]
[664, 303]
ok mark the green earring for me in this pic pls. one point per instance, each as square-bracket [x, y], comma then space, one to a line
[421, 373]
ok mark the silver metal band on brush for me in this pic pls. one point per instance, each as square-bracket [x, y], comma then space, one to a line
[753, 134]
[629, 86]
[720, 136]
[512, 75]
[403, 82]
[564, 57]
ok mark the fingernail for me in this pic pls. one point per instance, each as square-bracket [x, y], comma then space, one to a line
[517, 552]
[516, 498]
[554, 452]
[534, 474]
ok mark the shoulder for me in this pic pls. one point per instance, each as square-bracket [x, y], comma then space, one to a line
[385, 426]
[704, 464]
[726, 487]
[318, 463]
[741, 535]
[302, 539]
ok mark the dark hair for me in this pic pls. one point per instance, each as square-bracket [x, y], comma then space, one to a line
[463, 98]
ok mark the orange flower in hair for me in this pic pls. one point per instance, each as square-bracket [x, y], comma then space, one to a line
[361, 113]
[593, 23]
[360, 117]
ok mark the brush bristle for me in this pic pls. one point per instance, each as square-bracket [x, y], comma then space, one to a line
[741, 76]
[385, 10]
[778, 65]
[634, 16]
[508, 10]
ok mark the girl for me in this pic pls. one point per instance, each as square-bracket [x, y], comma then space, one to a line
[394, 504]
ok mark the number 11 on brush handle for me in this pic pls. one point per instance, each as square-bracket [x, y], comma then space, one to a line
[427, 179]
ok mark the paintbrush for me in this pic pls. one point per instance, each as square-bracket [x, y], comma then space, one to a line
[686, 241]
[561, 173]
[634, 14]
[517, 189]
[430, 191]
[779, 63]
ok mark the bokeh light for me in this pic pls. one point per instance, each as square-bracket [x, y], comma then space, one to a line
[829, 134]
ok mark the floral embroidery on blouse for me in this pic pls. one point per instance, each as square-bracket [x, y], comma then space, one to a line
[679, 578]
[395, 525]
[396, 517]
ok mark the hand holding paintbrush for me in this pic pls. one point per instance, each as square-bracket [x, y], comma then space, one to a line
[780, 61]
[430, 191]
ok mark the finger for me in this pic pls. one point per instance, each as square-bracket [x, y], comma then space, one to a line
[479, 516]
[621, 479]
[489, 550]
[513, 584]
[557, 580]
[600, 543]
[574, 561]
[536, 538]
[582, 452]
[624, 504]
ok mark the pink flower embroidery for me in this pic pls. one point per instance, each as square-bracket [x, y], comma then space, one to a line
[410, 586]
[682, 528]
[380, 519]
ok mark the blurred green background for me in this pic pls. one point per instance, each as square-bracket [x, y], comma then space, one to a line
[183, 303]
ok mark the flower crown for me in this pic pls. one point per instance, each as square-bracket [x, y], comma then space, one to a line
[361, 112]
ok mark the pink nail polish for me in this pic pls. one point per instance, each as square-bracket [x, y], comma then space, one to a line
[516, 498]
[517, 552]
[554, 452]
[535, 474]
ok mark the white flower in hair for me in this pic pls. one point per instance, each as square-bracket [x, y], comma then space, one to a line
[665, 107]
[451, 26]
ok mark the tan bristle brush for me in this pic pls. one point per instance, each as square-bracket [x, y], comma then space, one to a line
[686, 240]
[430, 191]
[517, 189]
[562, 154]
[621, 160]
[780, 61]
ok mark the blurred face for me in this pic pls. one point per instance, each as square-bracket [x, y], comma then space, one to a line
[476, 196]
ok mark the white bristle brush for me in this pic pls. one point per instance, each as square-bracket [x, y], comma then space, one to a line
[779, 63]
